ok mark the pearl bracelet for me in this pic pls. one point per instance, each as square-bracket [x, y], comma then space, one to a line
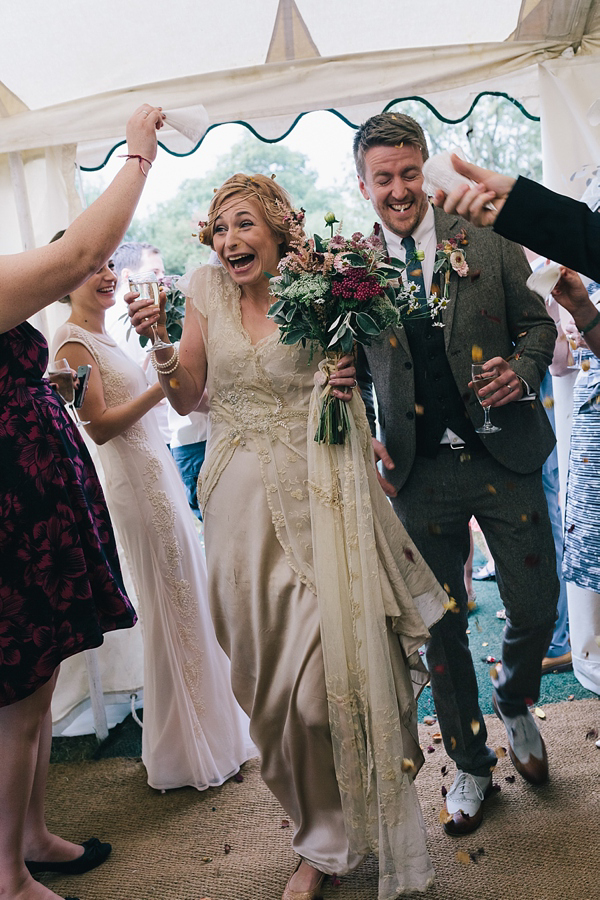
[169, 366]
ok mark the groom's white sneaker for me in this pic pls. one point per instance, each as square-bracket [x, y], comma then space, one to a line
[464, 803]
[527, 749]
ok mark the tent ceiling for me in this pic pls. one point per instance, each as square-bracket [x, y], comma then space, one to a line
[73, 70]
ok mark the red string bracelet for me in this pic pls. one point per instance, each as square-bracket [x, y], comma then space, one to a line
[142, 159]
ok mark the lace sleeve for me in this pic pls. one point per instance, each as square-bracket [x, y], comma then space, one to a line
[200, 286]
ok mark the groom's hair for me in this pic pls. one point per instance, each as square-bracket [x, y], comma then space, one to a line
[388, 130]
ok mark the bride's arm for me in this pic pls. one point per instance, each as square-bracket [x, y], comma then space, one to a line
[183, 383]
[106, 422]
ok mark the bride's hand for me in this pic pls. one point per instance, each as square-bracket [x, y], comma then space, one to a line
[343, 380]
[143, 313]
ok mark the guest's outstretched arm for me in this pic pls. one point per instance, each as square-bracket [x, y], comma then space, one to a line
[32, 280]
[551, 224]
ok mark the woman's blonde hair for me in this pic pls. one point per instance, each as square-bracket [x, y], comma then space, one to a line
[273, 200]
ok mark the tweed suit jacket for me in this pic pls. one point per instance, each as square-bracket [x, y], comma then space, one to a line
[493, 309]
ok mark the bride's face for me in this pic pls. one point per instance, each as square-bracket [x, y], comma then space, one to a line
[244, 242]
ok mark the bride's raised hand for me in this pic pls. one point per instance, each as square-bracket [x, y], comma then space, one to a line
[343, 380]
[143, 314]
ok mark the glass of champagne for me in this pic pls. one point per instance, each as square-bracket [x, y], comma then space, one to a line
[61, 376]
[480, 378]
[146, 285]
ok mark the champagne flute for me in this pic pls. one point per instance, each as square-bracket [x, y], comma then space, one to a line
[146, 285]
[480, 378]
[61, 376]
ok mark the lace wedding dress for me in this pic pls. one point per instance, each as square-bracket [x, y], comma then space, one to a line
[319, 599]
[194, 731]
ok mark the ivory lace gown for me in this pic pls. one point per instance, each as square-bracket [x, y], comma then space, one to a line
[194, 731]
[254, 491]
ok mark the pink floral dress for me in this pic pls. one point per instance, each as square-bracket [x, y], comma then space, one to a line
[60, 581]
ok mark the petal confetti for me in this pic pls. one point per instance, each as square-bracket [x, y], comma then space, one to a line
[463, 857]
[476, 354]
[539, 713]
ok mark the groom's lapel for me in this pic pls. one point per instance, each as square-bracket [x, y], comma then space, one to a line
[445, 227]
[399, 331]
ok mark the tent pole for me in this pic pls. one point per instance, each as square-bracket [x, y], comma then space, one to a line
[19, 184]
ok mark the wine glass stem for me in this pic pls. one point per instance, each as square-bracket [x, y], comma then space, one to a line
[486, 417]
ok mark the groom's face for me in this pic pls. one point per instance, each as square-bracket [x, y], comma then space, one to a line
[393, 182]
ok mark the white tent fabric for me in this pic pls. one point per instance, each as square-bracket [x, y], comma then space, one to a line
[73, 71]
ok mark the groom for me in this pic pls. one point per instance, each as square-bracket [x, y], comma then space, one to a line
[438, 472]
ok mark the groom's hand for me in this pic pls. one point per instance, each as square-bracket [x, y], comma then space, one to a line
[505, 388]
[381, 455]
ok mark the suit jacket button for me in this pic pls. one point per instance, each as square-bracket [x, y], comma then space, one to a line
[410, 415]
[408, 365]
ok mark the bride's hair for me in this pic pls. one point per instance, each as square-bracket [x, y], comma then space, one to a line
[273, 200]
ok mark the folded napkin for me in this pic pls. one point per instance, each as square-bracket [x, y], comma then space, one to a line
[544, 279]
[440, 174]
[191, 121]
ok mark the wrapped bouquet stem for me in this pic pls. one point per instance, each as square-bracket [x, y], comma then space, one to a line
[334, 421]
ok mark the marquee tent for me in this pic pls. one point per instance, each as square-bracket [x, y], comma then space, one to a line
[72, 71]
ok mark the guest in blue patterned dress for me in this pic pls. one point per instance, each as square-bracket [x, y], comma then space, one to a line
[60, 583]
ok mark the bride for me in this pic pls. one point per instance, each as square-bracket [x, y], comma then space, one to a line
[333, 714]
[194, 731]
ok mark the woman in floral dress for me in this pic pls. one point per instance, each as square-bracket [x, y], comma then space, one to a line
[60, 583]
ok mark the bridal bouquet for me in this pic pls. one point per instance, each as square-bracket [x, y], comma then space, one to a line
[334, 291]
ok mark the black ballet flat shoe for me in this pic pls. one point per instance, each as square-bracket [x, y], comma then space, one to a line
[94, 854]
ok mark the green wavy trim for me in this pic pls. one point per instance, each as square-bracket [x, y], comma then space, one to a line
[335, 113]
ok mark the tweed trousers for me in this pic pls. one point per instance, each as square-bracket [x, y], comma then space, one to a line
[435, 505]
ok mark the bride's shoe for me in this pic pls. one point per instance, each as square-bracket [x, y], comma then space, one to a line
[312, 894]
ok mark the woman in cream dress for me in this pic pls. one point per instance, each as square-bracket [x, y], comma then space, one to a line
[321, 674]
[194, 731]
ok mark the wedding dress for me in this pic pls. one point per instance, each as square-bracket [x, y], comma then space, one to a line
[194, 731]
[326, 680]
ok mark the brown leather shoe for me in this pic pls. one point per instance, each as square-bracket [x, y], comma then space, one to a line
[520, 731]
[469, 792]
[551, 664]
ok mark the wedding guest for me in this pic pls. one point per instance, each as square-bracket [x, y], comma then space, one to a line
[194, 731]
[581, 564]
[553, 225]
[60, 584]
[185, 435]
[438, 471]
[262, 576]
